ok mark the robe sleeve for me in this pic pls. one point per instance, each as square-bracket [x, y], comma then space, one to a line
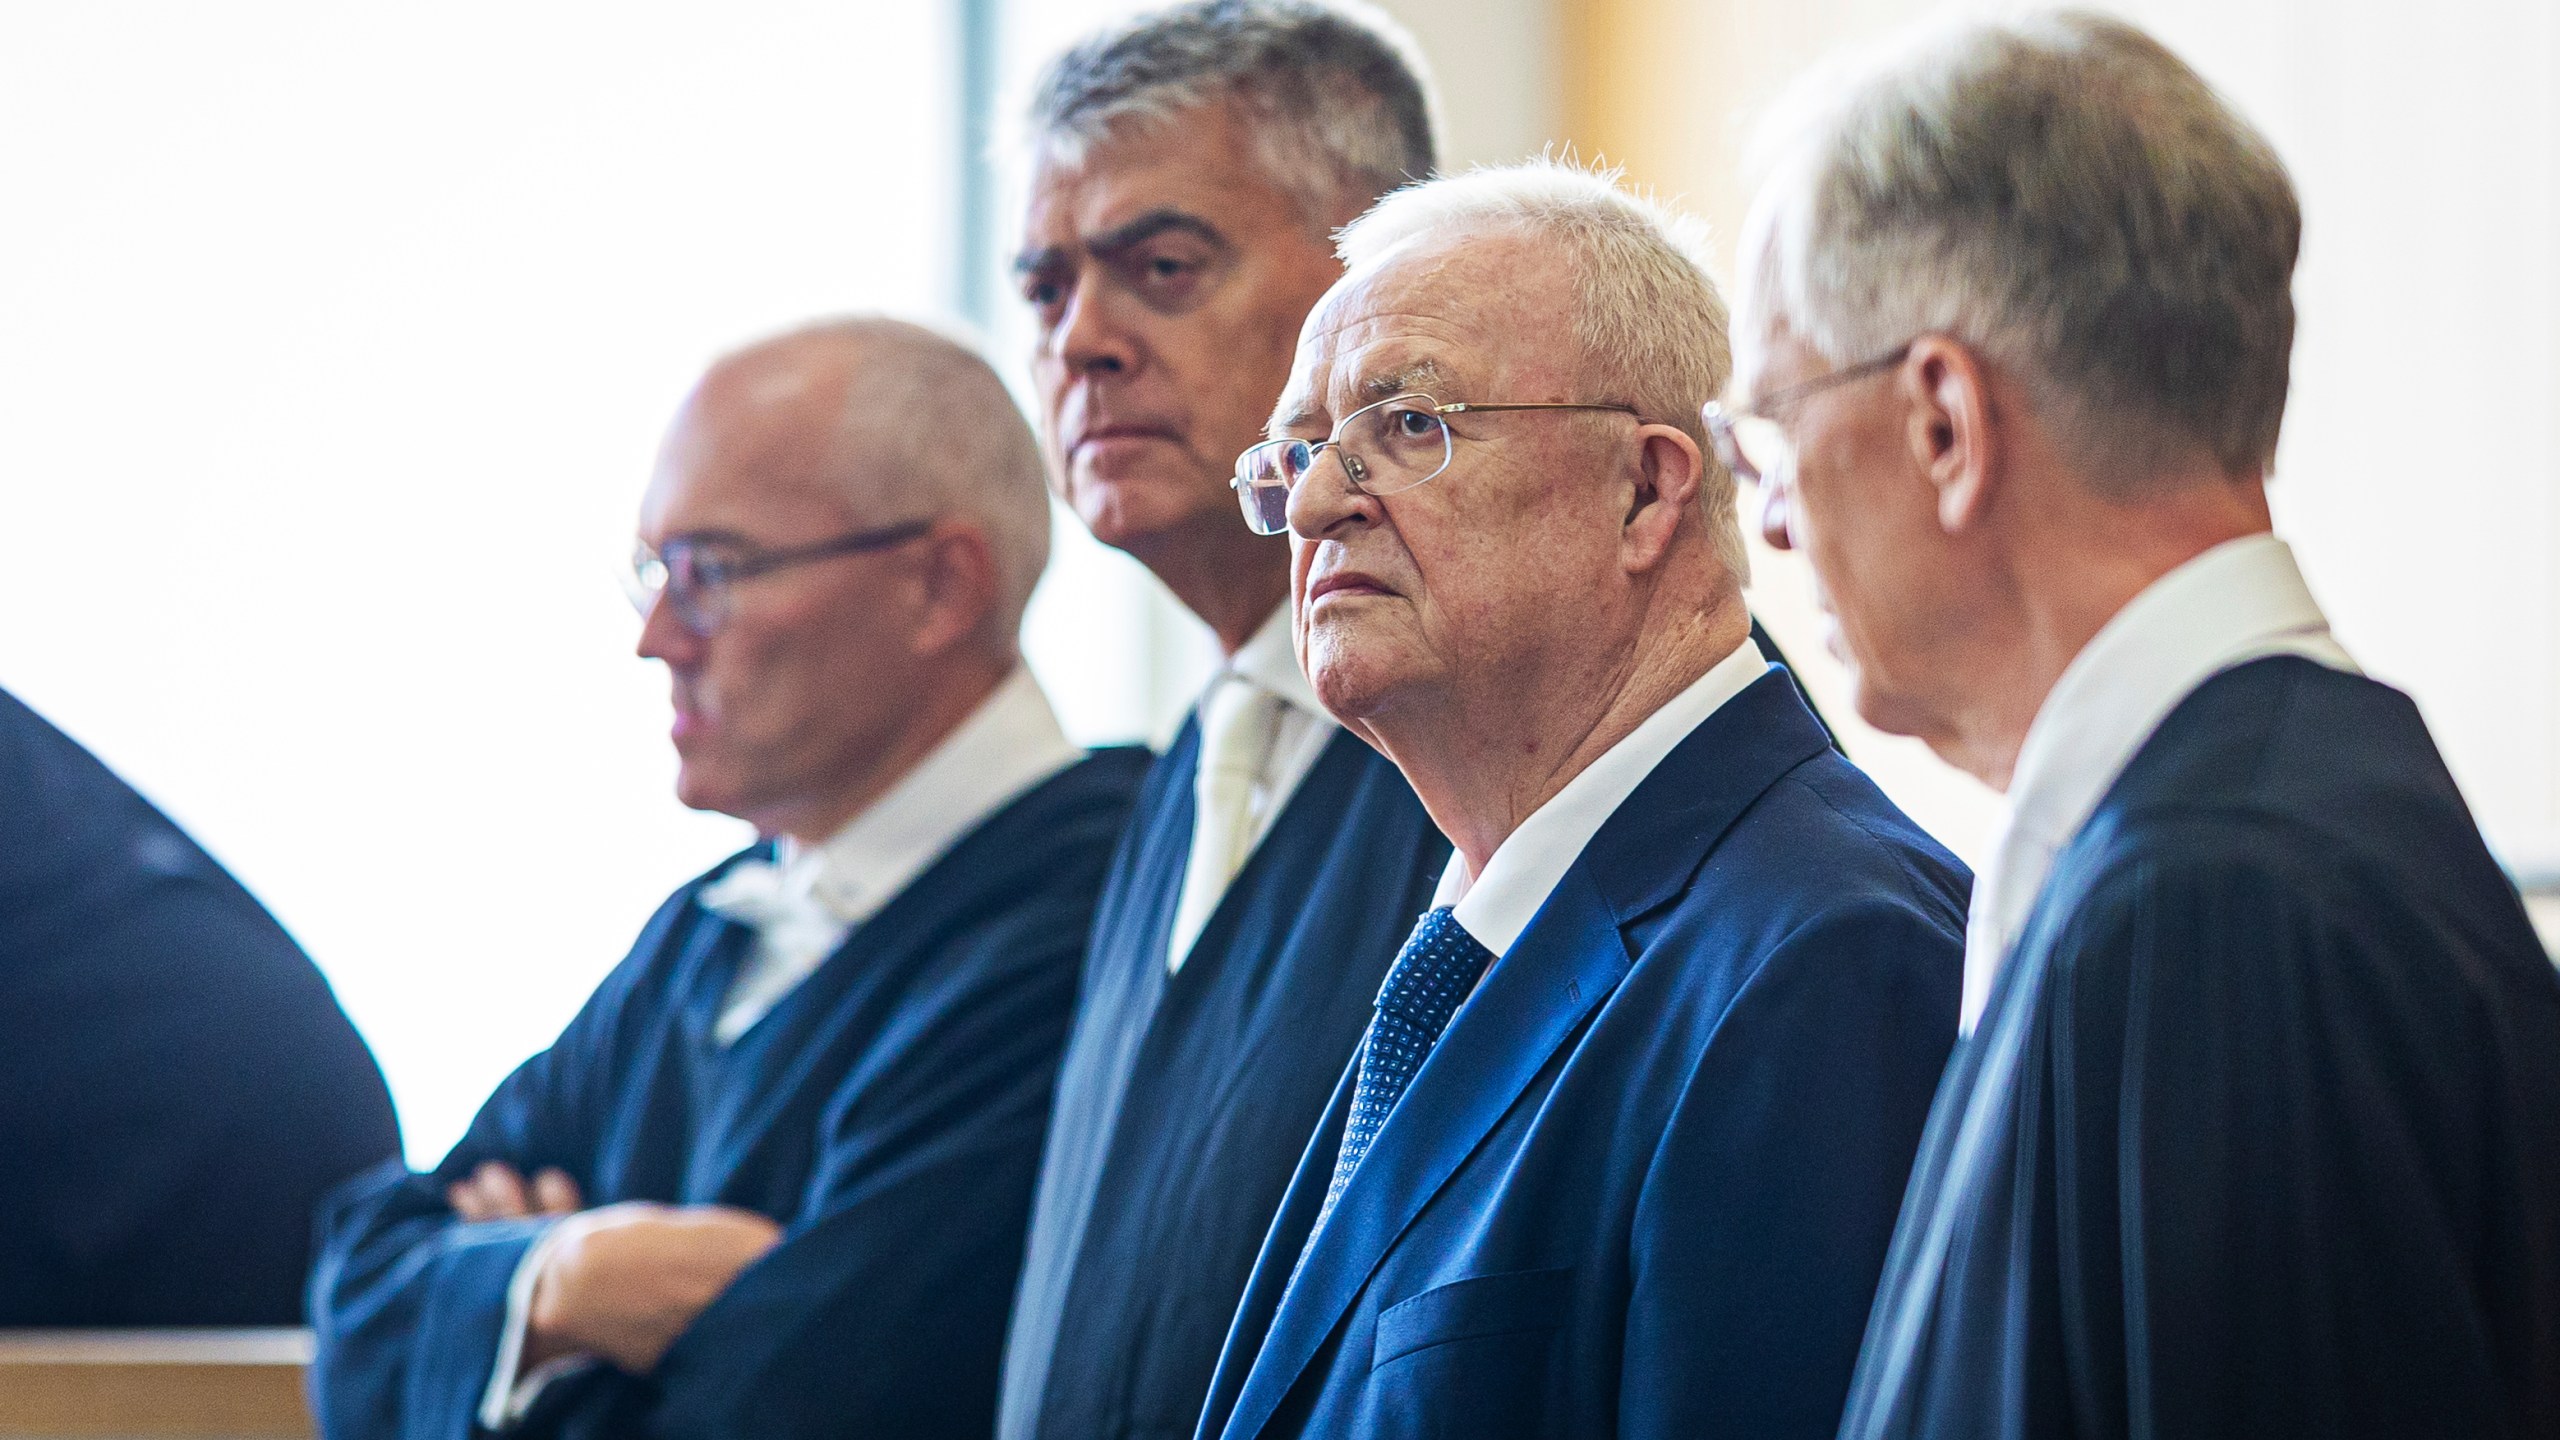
[1770, 1202]
[2273, 1136]
[902, 1262]
[407, 1301]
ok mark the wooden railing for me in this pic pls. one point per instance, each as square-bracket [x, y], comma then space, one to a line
[240, 1384]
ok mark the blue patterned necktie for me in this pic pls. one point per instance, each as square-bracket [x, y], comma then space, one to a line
[1432, 976]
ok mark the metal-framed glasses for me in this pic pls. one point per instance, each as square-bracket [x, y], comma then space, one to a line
[695, 576]
[1393, 445]
[1752, 445]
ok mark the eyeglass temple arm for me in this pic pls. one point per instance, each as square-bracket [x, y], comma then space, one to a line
[1464, 408]
[881, 538]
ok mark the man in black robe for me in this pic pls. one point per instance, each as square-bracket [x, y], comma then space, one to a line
[773, 1179]
[177, 1085]
[1190, 168]
[2256, 1130]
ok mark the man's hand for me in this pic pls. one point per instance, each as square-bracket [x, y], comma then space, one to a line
[623, 1281]
[496, 1191]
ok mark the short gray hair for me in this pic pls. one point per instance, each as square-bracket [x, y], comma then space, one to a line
[2063, 192]
[1337, 96]
[926, 430]
[1650, 322]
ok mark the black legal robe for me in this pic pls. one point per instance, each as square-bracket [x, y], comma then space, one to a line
[887, 1112]
[177, 1085]
[2260, 1133]
[1186, 1100]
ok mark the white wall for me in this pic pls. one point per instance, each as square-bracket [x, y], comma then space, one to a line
[1498, 75]
[335, 342]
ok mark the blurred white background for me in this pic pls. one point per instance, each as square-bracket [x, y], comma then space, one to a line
[335, 342]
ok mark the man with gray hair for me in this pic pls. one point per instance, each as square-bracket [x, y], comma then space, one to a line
[1622, 1147]
[772, 1180]
[2258, 1128]
[1190, 168]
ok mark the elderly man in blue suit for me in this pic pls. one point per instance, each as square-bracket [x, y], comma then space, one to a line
[2257, 1130]
[1621, 1150]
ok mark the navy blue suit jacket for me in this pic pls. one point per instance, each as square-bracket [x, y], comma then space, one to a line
[1643, 1185]
[887, 1112]
[177, 1085]
[2260, 1132]
[1185, 1099]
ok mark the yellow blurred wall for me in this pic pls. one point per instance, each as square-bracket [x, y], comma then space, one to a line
[2419, 477]
[1667, 89]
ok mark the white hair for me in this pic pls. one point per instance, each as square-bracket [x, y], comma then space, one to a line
[1649, 320]
[2062, 192]
[926, 430]
[1337, 96]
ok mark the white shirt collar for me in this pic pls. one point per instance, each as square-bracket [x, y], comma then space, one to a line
[1524, 870]
[2242, 600]
[1269, 660]
[1009, 744]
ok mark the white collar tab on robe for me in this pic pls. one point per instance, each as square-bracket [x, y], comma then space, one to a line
[2240, 601]
[803, 904]
[1526, 867]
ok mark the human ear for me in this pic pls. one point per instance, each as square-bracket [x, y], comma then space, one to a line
[1668, 471]
[955, 586]
[1952, 430]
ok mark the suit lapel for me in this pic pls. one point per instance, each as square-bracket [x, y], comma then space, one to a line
[714, 947]
[712, 955]
[1249, 1335]
[1531, 1003]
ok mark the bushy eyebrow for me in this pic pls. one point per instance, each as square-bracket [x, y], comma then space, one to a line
[1120, 239]
[1281, 424]
[1424, 375]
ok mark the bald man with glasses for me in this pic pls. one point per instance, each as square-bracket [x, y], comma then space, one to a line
[773, 1179]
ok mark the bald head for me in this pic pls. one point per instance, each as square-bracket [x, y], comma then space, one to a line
[847, 522]
[894, 422]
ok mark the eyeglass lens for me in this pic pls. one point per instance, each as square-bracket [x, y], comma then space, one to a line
[676, 578]
[1384, 448]
[1752, 446]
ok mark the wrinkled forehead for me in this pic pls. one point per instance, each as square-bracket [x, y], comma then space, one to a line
[1451, 316]
[1194, 161]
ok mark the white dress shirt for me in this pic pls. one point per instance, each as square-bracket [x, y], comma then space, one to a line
[1525, 868]
[2240, 601]
[808, 900]
[1300, 729]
